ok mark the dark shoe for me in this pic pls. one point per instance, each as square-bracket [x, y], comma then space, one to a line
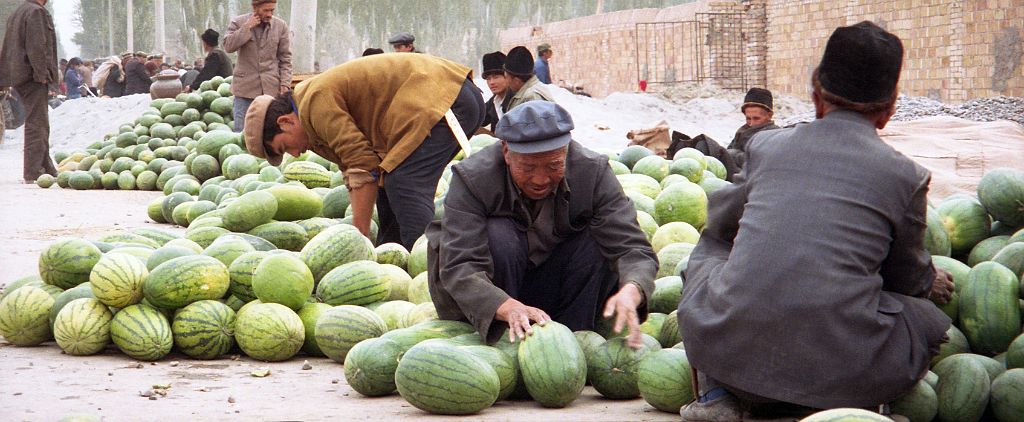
[725, 408]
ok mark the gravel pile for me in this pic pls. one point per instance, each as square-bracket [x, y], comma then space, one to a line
[979, 110]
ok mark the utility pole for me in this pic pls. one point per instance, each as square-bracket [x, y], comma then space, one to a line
[303, 28]
[158, 17]
[130, 32]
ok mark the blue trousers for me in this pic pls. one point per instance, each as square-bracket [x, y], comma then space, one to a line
[571, 286]
[241, 106]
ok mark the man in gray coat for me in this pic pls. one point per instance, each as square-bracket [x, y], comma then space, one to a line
[810, 282]
[264, 49]
[28, 63]
[521, 81]
[537, 228]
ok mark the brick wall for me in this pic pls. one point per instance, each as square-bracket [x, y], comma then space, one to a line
[956, 50]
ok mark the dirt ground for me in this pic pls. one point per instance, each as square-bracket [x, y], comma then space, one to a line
[43, 384]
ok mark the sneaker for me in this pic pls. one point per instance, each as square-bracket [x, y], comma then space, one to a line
[724, 408]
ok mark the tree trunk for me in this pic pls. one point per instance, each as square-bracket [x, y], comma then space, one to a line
[110, 27]
[130, 30]
[303, 34]
[161, 33]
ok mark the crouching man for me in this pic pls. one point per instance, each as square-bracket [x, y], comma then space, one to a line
[810, 282]
[537, 228]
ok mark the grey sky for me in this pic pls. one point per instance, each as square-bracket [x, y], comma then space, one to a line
[64, 20]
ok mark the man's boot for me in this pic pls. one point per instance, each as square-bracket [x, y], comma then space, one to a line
[717, 405]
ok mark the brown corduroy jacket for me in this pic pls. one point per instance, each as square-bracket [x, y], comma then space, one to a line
[29, 47]
[264, 64]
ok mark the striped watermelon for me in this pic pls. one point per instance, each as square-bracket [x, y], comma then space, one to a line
[68, 262]
[963, 390]
[846, 414]
[613, 367]
[920, 404]
[417, 263]
[663, 378]
[446, 380]
[670, 333]
[393, 311]
[1001, 191]
[228, 248]
[204, 329]
[269, 332]
[83, 290]
[966, 222]
[309, 314]
[1007, 395]
[284, 279]
[83, 327]
[295, 202]
[184, 280]
[418, 290]
[249, 210]
[308, 173]
[989, 312]
[370, 366]
[394, 254]
[553, 365]
[315, 225]
[667, 292]
[24, 316]
[283, 234]
[142, 332]
[398, 279]
[167, 253]
[354, 283]
[504, 366]
[240, 272]
[117, 280]
[341, 327]
[333, 247]
[422, 312]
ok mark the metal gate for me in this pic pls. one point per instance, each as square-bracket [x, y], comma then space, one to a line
[708, 49]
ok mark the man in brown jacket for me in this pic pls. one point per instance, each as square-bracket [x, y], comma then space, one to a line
[28, 62]
[388, 120]
[264, 56]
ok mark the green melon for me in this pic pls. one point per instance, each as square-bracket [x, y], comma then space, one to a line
[664, 380]
[67, 263]
[667, 292]
[987, 249]
[618, 168]
[653, 166]
[205, 167]
[641, 202]
[418, 257]
[1015, 353]
[689, 168]
[674, 232]
[419, 289]
[393, 311]
[990, 315]
[142, 332]
[685, 202]
[83, 327]
[957, 269]
[446, 380]
[45, 181]
[181, 281]
[936, 240]
[370, 366]
[204, 329]
[670, 333]
[295, 202]
[283, 234]
[1007, 396]
[963, 391]
[647, 224]
[421, 313]
[249, 210]
[966, 222]
[504, 366]
[333, 247]
[392, 253]
[81, 180]
[354, 283]
[640, 183]
[227, 249]
[1001, 192]
[269, 332]
[671, 255]
[632, 154]
[956, 344]
[283, 279]
[919, 405]
[1012, 257]
[205, 236]
[612, 369]
[553, 365]
[341, 327]
[308, 173]
[83, 290]
[241, 272]
[309, 314]
[336, 202]
[399, 281]
[117, 280]
[846, 414]
[24, 316]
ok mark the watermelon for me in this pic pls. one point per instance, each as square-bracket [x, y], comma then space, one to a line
[399, 281]
[689, 168]
[670, 256]
[249, 210]
[632, 154]
[1001, 192]
[653, 166]
[963, 391]
[295, 202]
[117, 280]
[667, 292]
[684, 202]
[1012, 257]
[83, 290]
[1007, 395]
[503, 365]
[67, 263]
[589, 341]
[204, 329]
[184, 280]
[956, 344]
[392, 253]
[966, 222]
[392, 312]
[846, 414]
[142, 332]
[664, 380]
[987, 249]
[990, 315]
[957, 269]
[936, 240]
[167, 253]
[341, 327]
[553, 365]
[308, 173]
[336, 202]
[641, 202]
[640, 183]
[674, 232]
[24, 316]
[921, 404]
[333, 247]
[670, 333]
[647, 223]
[618, 168]
[612, 369]
[283, 234]
[422, 312]
[1015, 353]
[204, 236]
[269, 331]
[419, 289]
[227, 249]
[309, 314]
[83, 327]
[370, 366]
[418, 257]
[240, 273]
[446, 380]
[716, 167]
[354, 283]
[80, 180]
[283, 279]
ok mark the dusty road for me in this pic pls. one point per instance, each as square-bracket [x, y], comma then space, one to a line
[42, 384]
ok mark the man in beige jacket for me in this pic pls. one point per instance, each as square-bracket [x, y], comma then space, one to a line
[264, 65]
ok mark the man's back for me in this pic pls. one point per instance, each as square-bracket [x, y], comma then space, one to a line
[29, 47]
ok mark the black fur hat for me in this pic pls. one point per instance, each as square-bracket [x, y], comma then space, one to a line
[861, 63]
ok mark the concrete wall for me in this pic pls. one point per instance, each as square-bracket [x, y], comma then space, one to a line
[956, 50]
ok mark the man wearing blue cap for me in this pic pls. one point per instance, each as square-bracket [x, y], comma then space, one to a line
[537, 228]
[811, 284]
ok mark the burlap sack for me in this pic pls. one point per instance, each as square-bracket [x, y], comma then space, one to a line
[656, 139]
[958, 152]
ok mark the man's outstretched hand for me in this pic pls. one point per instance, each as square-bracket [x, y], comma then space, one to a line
[942, 287]
[623, 305]
[518, 317]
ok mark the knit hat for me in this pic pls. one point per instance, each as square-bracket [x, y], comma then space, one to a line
[861, 63]
[758, 97]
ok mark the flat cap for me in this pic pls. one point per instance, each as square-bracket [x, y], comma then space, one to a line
[253, 131]
[536, 126]
[402, 38]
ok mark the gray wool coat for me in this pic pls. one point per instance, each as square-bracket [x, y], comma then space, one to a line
[460, 268]
[807, 284]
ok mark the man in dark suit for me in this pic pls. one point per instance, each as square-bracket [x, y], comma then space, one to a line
[217, 62]
[810, 284]
[494, 74]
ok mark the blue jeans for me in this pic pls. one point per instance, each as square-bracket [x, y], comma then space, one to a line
[241, 106]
